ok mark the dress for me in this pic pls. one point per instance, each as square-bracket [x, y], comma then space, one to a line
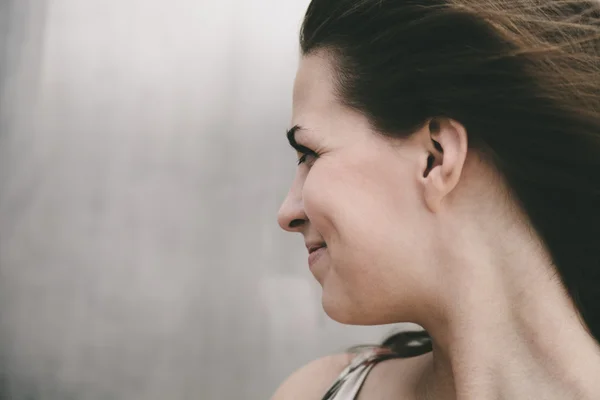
[350, 381]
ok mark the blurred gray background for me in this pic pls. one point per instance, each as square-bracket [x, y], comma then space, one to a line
[142, 163]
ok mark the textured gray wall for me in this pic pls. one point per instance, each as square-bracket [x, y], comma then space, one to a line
[142, 163]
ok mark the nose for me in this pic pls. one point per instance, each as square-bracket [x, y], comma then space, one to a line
[291, 216]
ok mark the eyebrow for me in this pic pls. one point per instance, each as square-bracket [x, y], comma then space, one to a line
[292, 139]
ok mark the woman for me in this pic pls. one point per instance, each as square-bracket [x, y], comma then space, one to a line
[449, 176]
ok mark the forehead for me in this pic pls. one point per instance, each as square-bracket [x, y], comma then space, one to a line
[314, 85]
[317, 108]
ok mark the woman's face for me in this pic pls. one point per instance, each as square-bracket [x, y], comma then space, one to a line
[360, 196]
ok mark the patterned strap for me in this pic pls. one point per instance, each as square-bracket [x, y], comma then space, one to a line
[348, 384]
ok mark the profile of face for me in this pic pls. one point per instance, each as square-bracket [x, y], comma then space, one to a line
[371, 200]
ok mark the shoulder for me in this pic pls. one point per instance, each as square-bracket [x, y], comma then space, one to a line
[395, 378]
[314, 379]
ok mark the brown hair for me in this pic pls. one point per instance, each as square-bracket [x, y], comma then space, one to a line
[523, 77]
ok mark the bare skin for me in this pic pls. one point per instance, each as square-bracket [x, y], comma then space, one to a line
[444, 246]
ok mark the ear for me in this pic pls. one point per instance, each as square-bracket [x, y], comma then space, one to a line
[445, 154]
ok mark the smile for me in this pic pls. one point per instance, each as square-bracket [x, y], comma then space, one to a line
[315, 254]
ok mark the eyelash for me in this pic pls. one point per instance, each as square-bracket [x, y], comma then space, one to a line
[302, 159]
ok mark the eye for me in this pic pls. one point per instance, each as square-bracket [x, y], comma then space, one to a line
[308, 157]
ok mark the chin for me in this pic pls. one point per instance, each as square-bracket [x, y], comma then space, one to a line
[342, 310]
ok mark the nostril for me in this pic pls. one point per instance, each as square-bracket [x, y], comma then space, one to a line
[296, 223]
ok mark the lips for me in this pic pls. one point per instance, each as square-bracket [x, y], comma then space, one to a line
[316, 247]
[315, 253]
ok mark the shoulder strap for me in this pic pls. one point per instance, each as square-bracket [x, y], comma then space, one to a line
[350, 381]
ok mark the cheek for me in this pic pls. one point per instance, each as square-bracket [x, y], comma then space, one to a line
[372, 216]
[363, 211]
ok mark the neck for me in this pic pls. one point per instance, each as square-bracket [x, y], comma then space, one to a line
[511, 333]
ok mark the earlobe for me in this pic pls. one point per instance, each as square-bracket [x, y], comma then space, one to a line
[447, 155]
